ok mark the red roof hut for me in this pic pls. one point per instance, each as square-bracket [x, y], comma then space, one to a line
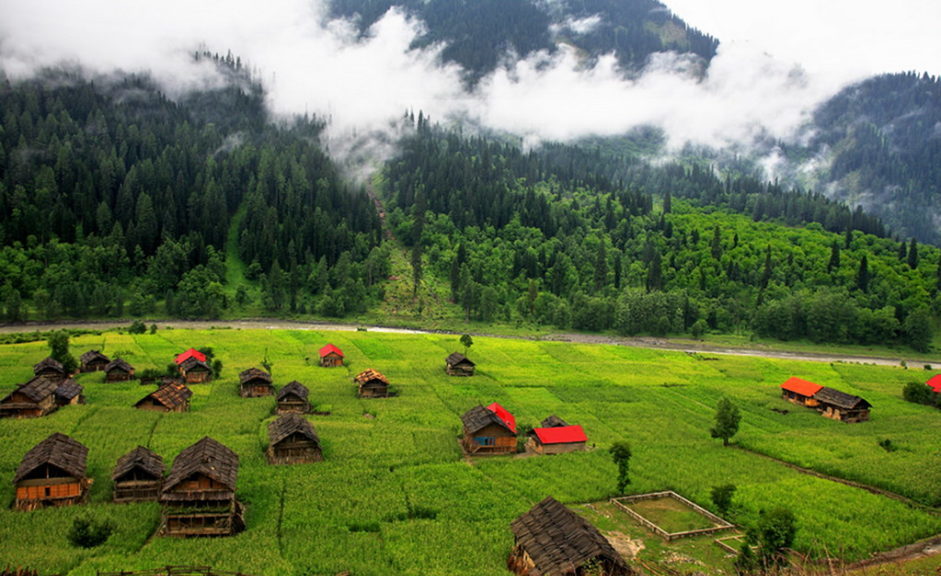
[331, 356]
[800, 391]
[558, 440]
[191, 353]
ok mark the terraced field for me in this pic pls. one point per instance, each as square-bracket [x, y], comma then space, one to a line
[394, 495]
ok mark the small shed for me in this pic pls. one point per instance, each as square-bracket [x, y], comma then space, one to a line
[93, 361]
[255, 383]
[485, 432]
[842, 406]
[50, 368]
[52, 474]
[293, 399]
[172, 397]
[293, 440]
[553, 421]
[457, 364]
[33, 399]
[191, 353]
[371, 384]
[118, 370]
[551, 540]
[138, 476]
[331, 356]
[195, 371]
[69, 392]
[198, 496]
[557, 440]
[800, 392]
[934, 383]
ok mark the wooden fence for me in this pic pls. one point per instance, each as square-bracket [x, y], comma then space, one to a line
[176, 571]
[719, 523]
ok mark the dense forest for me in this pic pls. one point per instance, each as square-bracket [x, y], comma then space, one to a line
[533, 237]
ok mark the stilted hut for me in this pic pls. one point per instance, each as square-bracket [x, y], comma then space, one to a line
[842, 406]
[255, 383]
[195, 371]
[33, 399]
[173, 397]
[553, 421]
[69, 392]
[50, 368]
[458, 364]
[118, 370]
[293, 399]
[372, 384]
[293, 441]
[52, 474]
[331, 356]
[551, 540]
[485, 432]
[800, 392]
[557, 440]
[198, 496]
[138, 476]
[93, 361]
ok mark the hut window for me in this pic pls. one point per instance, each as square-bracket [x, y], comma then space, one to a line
[485, 440]
[48, 491]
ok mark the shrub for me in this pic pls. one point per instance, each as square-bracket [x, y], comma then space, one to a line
[137, 327]
[86, 532]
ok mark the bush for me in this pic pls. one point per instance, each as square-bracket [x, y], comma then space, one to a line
[86, 532]
[137, 327]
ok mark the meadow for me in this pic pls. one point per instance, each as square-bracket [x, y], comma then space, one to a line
[394, 495]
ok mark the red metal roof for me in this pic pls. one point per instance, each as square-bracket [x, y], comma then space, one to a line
[935, 383]
[191, 353]
[330, 348]
[503, 414]
[561, 434]
[802, 387]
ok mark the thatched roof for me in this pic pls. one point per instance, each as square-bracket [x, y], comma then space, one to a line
[48, 364]
[841, 399]
[170, 395]
[193, 364]
[559, 541]
[553, 421]
[207, 457]
[293, 388]
[57, 450]
[142, 458]
[254, 374]
[119, 364]
[290, 424]
[69, 389]
[37, 388]
[91, 356]
[370, 375]
[479, 417]
[456, 358]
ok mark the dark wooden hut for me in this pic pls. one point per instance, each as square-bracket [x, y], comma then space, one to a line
[553, 421]
[485, 432]
[172, 397]
[458, 364]
[331, 356]
[371, 384]
[557, 440]
[293, 440]
[138, 476]
[842, 406]
[52, 474]
[118, 370]
[50, 368]
[551, 540]
[800, 392]
[33, 399]
[254, 383]
[69, 392]
[195, 371]
[93, 361]
[198, 496]
[293, 399]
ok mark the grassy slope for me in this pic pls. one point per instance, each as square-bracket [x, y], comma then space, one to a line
[350, 512]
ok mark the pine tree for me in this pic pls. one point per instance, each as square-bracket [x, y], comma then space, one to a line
[913, 254]
[717, 243]
[834, 262]
[601, 268]
[862, 276]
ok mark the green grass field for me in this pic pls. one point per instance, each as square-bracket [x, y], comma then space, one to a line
[354, 510]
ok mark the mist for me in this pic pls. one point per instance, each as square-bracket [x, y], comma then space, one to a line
[363, 85]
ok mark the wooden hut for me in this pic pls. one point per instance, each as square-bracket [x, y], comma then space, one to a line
[172, 397]
[195, 371]
[458, 364]
[800, 392]
[371, 384]
[557, 440]
[553, 421]
[293, 399]
[191, 353]
[33, 399]
[198, 496]
[138, 476]
[551, 540]
[93, 361]
[331, 356]
[52, 474]
[50, 368]
[842, 406]
[255, 383]
[486, 432]
[118, 370]
[293, 440]
[69, 392]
